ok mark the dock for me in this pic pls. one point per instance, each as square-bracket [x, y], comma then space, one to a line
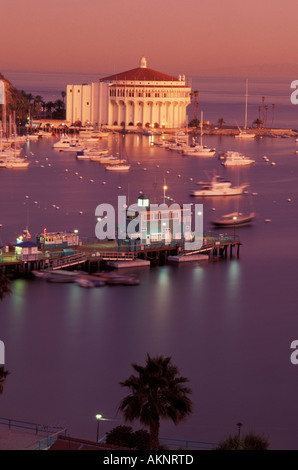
[92, 257]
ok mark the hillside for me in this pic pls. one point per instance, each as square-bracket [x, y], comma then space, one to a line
[13, 96]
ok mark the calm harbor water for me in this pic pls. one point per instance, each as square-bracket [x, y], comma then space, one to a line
[228, 324]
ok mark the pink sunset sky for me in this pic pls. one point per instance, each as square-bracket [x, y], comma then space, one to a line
[191, 37]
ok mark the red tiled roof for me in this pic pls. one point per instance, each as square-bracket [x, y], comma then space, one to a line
[141, 74]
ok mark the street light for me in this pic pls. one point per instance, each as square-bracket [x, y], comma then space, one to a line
[239, 427]
[98, 417]
[164, 193]
[234, 218]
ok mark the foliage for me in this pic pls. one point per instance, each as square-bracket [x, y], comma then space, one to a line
[3, 374]
[258, 123]
[250, 441]
[4, 286]
[25, 104]
[156, 392]
[194, 123]
[124, 436]
[221, 122]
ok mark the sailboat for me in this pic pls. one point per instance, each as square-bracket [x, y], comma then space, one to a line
[118, 164]
[199, 150]
[243, 134]
[8, 158]
[235, 218]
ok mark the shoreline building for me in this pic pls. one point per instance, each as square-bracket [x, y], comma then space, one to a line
[139, 97]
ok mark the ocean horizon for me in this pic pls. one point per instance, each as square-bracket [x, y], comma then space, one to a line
[219, 96]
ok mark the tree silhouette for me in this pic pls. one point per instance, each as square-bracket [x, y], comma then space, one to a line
[156, 392]
[4, 286]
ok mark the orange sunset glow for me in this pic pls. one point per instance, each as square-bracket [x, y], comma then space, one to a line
[189, 36]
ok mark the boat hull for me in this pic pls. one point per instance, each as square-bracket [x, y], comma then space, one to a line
[229, 221]
[213, 192]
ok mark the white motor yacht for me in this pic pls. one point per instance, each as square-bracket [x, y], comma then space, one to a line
[236, 159]
[218, 186]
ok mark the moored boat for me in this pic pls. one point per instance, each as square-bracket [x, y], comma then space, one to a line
[236, 159]
[234, 219]
[120, 167]
[218, 186]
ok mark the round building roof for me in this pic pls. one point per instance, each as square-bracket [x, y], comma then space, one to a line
[141, 73]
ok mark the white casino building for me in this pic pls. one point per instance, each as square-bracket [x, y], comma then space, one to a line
[140, 96]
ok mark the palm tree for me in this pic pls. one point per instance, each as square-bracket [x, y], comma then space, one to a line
[273, 109]
[37, 105]
[4, 286]
[3, 374]
[263, 101]
[49, 106]
[221, 122]
[196, 104]
[157, 392]
[258, 123]
[59, 109]
[265, 118]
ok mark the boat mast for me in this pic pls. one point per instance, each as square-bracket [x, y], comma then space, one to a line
[201, 123]
[245, 125]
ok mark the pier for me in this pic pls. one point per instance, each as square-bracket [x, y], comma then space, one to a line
[91, 257]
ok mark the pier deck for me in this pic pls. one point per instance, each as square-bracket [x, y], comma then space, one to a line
[92, 256]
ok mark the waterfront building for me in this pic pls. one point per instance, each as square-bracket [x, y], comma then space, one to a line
[139, 97]
[152, 223]
[47, 240]
[26, 251]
